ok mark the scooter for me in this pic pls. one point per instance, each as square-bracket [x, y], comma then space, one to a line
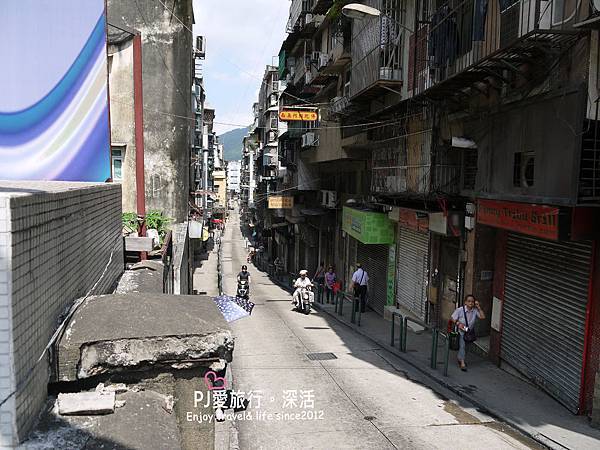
[306, 298]
[243, 289]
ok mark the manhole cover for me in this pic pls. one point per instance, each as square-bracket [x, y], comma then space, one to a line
[320, 356]
[369, 417]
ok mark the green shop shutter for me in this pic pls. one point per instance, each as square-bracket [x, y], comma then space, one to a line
[543, 324]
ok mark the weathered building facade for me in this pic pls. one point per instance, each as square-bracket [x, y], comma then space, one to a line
[456, 151]
[167, 73]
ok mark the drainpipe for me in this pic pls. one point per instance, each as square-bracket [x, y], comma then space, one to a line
[138, 96]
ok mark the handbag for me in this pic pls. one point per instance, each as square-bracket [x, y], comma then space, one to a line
[453, 339]
[470, 333]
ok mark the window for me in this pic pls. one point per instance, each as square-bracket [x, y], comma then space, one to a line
[117, 155]
[274, 122]
[275, 82]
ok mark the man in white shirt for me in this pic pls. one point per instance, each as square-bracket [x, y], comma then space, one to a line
[300, 283]
[360, 280]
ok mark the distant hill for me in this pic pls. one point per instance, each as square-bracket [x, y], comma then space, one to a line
[232, 143]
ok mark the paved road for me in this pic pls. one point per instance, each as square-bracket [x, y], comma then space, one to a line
[364, 398]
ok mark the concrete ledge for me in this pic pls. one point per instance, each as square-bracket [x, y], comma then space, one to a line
[132, 332]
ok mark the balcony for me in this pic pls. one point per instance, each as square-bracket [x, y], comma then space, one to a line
[302, 21]
[404, 167]
[451, 53]
[377, 52]
[321, 6]
[342, 106]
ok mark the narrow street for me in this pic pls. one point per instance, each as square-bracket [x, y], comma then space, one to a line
[352, 405]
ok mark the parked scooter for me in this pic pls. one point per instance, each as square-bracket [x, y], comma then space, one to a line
[243, 289]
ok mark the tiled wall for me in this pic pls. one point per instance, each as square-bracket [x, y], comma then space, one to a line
[57, 244]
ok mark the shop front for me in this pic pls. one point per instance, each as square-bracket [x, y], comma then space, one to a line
[369, 236]
[412, 259]
[542, 295]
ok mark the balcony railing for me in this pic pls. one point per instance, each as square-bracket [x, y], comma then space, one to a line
[377, 49]
[403, 166]
[298, 11]
[487, 38]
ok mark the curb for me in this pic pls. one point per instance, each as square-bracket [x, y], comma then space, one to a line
[546, 442]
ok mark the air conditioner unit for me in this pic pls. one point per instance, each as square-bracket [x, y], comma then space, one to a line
[329, 199]
[308, 77]
[347, 89]
[200, 50]
[323, 60]
[272, 136]
[273, 99]
[309, 139]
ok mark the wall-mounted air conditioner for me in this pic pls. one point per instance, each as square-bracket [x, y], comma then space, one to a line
[200, 50]
[309, 139]
[329, 199]
[323, 60]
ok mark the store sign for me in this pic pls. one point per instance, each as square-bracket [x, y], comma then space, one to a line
[535, 220]
[368, 227]
[291, 115]
[280, 202]
[409, 218]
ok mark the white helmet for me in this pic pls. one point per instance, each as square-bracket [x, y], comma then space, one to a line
[304, 272]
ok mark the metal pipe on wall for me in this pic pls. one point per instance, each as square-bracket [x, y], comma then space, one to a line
[138, 96]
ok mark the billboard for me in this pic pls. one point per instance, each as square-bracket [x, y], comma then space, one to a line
[53, 91]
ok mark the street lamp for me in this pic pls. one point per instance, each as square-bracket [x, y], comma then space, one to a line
[357, 11]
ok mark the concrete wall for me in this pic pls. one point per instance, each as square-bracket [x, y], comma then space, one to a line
[56, 240]
[168, 119]
[182, 260]
[122, 115]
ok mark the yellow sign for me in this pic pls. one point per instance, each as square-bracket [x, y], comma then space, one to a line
[281, 202]
[287, 115]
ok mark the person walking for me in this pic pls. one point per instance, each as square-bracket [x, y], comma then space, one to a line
[465, 319]
[330, 279]
[360, 280]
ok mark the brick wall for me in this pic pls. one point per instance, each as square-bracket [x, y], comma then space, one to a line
[56, 239]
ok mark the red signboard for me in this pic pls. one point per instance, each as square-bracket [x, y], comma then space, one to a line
[408, 218]
[535, 220]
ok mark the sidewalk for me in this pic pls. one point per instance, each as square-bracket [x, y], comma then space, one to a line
[490, 388]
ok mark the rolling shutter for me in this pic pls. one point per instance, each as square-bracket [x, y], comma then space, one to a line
[411, 270]
[374, 259]
[543, 325]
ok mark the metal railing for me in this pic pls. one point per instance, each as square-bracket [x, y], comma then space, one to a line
[434, 349]
[455, 38]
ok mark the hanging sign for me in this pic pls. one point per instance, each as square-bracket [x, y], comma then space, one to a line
[280, 202]
[290, 115]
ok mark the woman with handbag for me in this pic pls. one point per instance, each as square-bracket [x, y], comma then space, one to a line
[465, 318]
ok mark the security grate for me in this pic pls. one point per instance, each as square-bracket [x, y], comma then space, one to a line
[320, 356]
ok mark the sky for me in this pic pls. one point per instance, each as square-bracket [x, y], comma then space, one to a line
[242, 37]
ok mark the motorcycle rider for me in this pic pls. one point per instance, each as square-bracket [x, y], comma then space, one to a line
[302, 282]
[244, 275]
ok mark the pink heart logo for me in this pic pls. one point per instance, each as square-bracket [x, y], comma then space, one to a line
[214, 382]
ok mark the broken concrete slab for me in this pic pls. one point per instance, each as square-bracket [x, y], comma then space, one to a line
[141, 423]
[136, 332]
[145, 276]
[86, 403]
